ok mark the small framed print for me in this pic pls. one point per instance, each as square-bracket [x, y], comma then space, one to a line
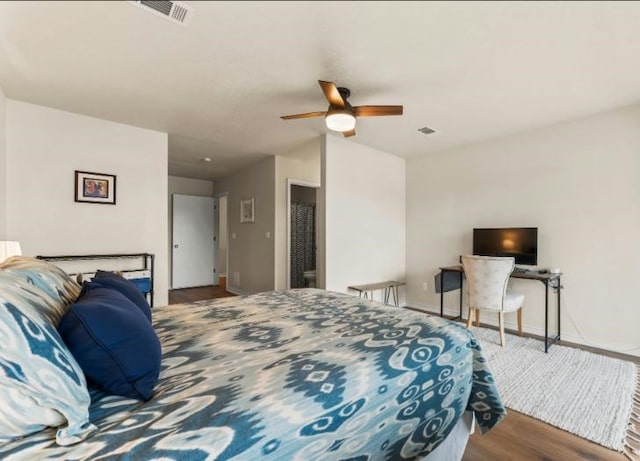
[95, 187]
[247, 210]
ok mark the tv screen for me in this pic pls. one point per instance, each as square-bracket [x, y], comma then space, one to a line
[518, 242]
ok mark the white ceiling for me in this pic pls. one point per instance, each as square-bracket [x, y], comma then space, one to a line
[469, 70]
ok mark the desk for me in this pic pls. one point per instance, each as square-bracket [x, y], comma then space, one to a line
[547, 279]
[389, 287]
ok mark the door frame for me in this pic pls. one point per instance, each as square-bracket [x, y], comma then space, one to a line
[216, 240]
[217, 201]
[295, 182]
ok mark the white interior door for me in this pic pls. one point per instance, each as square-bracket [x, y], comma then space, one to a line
[193, 241]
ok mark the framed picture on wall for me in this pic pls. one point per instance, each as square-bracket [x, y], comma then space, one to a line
[247, 210]
[95, 187]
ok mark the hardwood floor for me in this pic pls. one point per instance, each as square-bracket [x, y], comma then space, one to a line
[189, 295]
[517, 437]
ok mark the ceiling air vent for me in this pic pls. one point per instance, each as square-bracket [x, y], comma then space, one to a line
[173, 11]
[426, 130]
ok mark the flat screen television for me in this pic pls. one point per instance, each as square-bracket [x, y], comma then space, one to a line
[519, 242]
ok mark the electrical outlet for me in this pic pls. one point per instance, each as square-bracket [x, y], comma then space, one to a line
[425, 286]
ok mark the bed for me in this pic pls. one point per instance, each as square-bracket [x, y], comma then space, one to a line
[300, 374]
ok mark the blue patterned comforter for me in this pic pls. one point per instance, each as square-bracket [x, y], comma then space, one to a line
[298, 374]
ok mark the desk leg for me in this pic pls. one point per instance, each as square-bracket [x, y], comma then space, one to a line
[441, 294]
[559, 290]
[546, 317]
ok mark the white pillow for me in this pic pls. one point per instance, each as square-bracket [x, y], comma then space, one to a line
[55, 289]
[41, 384]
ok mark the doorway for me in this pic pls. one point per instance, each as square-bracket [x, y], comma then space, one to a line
[301, 234]
[193, 241]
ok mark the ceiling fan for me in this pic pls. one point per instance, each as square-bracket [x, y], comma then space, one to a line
[341, 116]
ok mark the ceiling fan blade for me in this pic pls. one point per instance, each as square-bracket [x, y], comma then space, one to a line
[346, 134]
[376, 111]
[331, 93]
[307, 115]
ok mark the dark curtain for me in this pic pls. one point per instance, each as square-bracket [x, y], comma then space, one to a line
[303, 238]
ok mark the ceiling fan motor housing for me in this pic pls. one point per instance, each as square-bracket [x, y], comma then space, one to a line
[344, 92]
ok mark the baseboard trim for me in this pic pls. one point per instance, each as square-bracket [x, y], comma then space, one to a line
[528, 331]
[236, 291]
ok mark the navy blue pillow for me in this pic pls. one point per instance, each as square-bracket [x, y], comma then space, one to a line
[124, 286]
[113, 342]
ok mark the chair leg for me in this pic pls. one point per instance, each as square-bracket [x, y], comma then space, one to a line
[470, 319]
[520, 321]
[477, 317]
[501, 324]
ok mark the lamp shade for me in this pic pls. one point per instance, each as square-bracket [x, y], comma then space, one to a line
[338, 119]
[9, 249]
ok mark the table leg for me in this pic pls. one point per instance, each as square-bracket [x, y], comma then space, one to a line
[395, 295]
[546, 317]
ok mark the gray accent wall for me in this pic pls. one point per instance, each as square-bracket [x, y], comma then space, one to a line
[251, 244]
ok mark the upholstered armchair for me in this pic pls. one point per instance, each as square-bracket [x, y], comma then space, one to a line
[487, 279]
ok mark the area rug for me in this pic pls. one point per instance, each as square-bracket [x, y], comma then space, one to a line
[590, 395]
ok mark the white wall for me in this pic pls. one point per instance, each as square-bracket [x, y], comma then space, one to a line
[44, 146]
[302, 164]
[185, 186]
[251, 245]
[364, 200]
[3, 167]
[577, 182]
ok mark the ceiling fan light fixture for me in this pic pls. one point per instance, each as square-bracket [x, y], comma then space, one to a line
[341, 115]
[340, 120]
